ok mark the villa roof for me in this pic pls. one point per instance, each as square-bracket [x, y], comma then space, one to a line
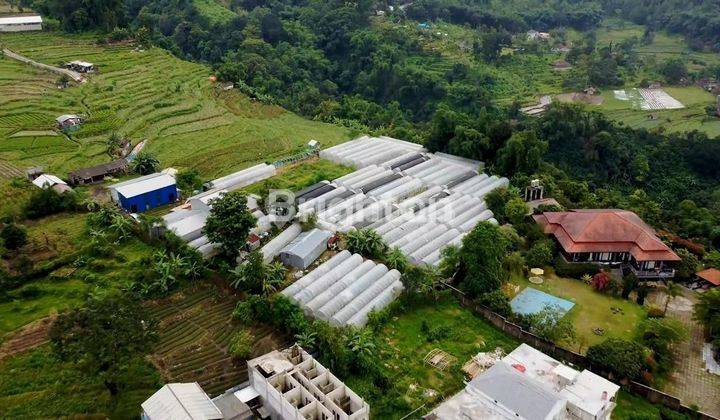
[610, 230]
[711, 275]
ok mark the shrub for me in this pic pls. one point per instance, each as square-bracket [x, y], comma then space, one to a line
[601, 281]
[514, 263]
[540, 254]
[366, 242]
[30, 292]
[47, 202]
[396, 260]
[574, 270]
[241, 345]
[497, 301]
[438, 333]
[621, 357]
[13, 236]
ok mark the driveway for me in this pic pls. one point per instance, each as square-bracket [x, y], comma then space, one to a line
[690, 381]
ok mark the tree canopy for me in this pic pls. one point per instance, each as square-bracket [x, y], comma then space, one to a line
[229, 222]
[104, 336]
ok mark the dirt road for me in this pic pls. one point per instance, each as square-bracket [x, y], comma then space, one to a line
[71, 74]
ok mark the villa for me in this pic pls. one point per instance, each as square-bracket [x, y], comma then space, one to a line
[616, 238]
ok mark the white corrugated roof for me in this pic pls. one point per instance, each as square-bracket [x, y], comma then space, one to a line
[47, 180]
[66, 117]
[19, 20]
[82, 63]
[143, 185]
[181, 402]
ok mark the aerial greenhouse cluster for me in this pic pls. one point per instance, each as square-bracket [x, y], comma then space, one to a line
[417, 201]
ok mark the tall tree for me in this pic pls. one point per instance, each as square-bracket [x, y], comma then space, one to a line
[482, 257]
[521, 154]
[104, 337]
[229, 222]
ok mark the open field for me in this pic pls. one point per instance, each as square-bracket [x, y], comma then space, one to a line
[195, 329]
[142, 95]
[592, 310]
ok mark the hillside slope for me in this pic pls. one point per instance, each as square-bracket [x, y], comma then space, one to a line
[142, 95]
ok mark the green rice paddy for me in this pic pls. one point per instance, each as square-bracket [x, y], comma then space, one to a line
[142, 95]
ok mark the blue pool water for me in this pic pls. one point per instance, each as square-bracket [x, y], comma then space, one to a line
[532, 301]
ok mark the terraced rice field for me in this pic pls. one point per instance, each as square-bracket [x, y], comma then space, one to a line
[196, 328]
[142, 95]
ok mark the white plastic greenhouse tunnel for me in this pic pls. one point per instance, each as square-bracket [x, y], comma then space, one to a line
[345, 286]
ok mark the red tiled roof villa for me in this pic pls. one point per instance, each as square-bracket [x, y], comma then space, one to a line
[609, 236]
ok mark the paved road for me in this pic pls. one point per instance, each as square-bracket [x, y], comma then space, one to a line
[71, 74]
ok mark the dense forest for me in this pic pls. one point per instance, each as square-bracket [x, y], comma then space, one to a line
[327, 60]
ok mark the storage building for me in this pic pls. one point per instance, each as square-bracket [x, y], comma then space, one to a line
[81, 66]
[98, 173]
[305, 248]
[20, 23]
[144, 193]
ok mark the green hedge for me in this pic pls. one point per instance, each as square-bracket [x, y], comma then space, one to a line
[574, 270]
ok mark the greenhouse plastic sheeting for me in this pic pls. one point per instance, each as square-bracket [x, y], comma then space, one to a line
[319, 271]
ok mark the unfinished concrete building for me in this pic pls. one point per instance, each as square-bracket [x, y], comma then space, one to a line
[291, 384]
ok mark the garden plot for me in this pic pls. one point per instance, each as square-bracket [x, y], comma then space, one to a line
[196, 329]
[648, 99]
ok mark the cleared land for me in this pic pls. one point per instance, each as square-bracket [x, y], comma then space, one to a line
[142, 95]
[592, 310]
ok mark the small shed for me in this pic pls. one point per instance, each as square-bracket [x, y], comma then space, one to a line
[20, 23]
[144, 193]
[68, 121]
[98, 173]
[709, 278]
[81, 66]
[46, 181]
[305, 248]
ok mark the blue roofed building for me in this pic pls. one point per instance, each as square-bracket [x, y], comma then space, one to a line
[145, 193]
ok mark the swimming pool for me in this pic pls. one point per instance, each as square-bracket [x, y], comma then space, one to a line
[532, 301]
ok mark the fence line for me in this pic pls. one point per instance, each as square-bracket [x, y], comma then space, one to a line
[650, 394]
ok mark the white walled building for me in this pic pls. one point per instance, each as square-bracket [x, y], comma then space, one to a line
[527, 384]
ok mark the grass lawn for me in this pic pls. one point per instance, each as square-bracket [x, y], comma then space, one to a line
[404, 347]
[299, 176]
[148, 95]
[591, 310]
[35, 385]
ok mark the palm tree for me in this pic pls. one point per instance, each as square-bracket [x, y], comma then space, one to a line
[672, 290]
